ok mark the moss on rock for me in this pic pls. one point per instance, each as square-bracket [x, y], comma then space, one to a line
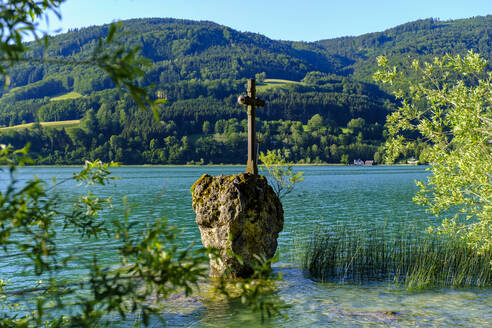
[239, 213]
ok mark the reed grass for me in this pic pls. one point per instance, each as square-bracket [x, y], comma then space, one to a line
[360, 253]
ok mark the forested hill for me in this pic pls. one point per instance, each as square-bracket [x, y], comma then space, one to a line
[321, 103]
[184, 50]
[420, 39]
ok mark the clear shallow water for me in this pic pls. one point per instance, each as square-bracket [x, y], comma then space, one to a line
[374, 195]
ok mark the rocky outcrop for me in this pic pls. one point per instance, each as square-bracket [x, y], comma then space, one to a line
[239, 213]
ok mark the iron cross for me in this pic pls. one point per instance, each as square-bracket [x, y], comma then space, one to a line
[252, 102]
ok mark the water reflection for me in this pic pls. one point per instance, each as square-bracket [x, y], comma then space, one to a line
[311, 304]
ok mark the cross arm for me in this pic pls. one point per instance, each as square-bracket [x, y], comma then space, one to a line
[249, 101]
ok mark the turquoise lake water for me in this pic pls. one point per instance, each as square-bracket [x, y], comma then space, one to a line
[379, 195]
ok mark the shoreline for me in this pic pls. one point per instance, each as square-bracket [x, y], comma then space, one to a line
[212, 165]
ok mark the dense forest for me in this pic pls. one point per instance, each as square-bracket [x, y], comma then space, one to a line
[321, 103]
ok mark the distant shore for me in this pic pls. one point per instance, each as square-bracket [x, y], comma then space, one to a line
[214, 165]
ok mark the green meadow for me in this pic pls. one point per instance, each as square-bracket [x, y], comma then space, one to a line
[274, 84]
[54, 124]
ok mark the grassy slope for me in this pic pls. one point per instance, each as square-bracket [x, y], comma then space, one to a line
[55, 124]
[69, 95]
[273, 84]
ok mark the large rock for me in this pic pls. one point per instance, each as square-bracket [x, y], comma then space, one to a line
[239, 213]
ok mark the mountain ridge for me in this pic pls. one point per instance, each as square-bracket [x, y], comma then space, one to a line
[335, 113]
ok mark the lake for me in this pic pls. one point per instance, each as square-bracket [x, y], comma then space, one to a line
[379, 195]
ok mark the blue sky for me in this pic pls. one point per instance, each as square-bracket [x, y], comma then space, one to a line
[306, 20]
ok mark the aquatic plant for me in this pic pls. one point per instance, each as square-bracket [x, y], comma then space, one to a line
[360, 253]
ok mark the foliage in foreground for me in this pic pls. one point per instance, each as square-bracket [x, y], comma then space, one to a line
[448, 108]
[361, 254]
[147, 264]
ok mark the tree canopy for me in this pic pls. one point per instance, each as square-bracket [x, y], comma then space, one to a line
[448, 109]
